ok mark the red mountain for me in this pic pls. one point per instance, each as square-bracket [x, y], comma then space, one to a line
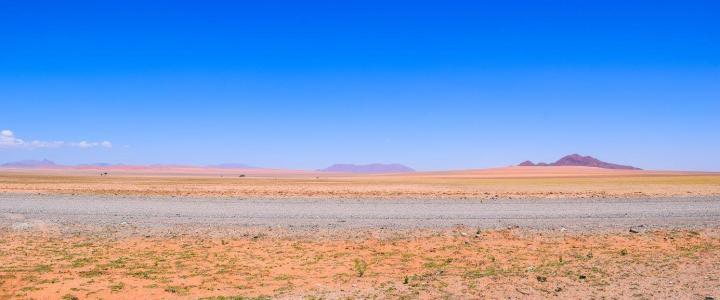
[371, 168]
[579, 160]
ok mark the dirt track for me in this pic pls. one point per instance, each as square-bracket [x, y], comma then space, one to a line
[171, 213]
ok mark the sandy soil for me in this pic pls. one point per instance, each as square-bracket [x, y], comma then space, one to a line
[505, 183]
[455, 263]
[55, 250]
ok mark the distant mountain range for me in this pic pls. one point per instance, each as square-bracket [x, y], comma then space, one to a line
[48, 164]
[368, 169]
[569, 160]
[100, 164]
[231, 166]
[579, 160]
[31, 164]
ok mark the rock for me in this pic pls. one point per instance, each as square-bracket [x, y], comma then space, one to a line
[21, 226]
[633, 230]
[541, 278]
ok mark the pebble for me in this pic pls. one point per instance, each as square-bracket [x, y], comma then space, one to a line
[21, 226]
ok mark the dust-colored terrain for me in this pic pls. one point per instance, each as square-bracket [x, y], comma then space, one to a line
[222, 216]
[537, 232]
[455, 263]
[514, 182]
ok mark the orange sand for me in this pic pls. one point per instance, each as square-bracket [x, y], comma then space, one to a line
[513, 182]
[457, 263]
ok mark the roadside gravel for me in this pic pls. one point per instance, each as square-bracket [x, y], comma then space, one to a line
[173, 214]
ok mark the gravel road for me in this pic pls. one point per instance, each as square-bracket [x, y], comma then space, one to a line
[21, 212]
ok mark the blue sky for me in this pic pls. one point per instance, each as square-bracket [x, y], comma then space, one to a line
[434, 85]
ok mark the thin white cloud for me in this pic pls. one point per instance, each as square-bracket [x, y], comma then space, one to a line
[9, 140]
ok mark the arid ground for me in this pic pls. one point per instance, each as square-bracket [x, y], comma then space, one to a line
[505, 183]
[454, 263]
[504, 233]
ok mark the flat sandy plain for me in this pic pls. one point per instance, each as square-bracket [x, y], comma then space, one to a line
[556, 232]
[505, 183]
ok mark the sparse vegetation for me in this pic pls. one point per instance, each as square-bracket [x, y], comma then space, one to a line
[360, 267]
[236, 298]
[442, 185]
[43, 268]
[116, 287]
[81, 262]
[176, 289]
[296, 266]
[491, 271]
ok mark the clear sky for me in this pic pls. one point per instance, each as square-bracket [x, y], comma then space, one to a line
[302, 84]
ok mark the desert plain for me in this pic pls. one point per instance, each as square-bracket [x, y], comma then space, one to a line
[517, 232]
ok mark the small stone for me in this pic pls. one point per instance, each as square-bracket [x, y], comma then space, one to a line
[582, 277]
[21, 226]
[633, 230]
[541, 278]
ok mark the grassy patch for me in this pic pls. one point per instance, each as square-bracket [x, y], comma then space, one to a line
[81, 262]
[177, 289]
[236, 298]
[144, 274]
[491, 271]
[437, 264]
[92, 273]
[43, 268]
[360, 267]
[118, 263]
[116, 287]
[283, 277]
